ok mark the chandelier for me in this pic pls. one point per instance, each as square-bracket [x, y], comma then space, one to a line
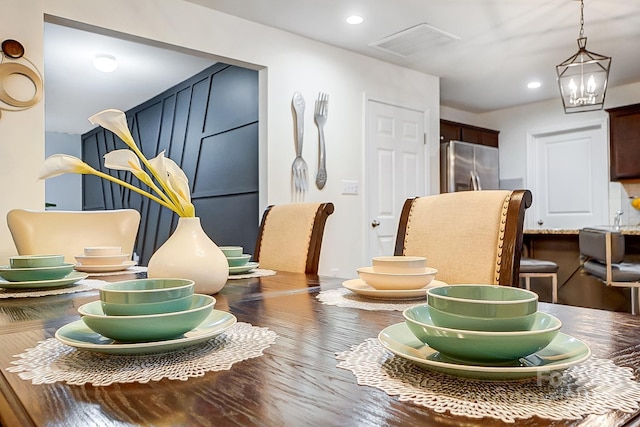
[583, 77]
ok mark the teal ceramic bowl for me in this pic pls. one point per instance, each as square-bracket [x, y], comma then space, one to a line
[35, 261]
[35, 273]
[481, 346]
[470, 323]
[487, 301]
[231, 251]
[237, 261]
[149, 327]
[146, 291]
[172, 305]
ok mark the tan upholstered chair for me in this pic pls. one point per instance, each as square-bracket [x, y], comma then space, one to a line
[69, 232]
[290, 237]
[469, 236]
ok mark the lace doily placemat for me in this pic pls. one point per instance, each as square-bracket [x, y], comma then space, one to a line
[343, 297]
[80, 286]
[258, 272]
[51, 361]
[596, 386]
[130, 270]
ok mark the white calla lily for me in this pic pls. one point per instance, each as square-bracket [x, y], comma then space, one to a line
[174, 189]
[59, 164]
[126, 160]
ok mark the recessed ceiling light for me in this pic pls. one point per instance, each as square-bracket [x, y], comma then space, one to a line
[105, 63]
[355, 20]
[534, 85]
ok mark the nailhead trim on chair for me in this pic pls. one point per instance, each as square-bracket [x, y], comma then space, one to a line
[503, 222]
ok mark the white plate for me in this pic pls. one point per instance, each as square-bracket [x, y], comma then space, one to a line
[358, 286]
[243, 268]
[67, 280]
[105, 268]
[564, 351]
[78, 334]
[103, 259]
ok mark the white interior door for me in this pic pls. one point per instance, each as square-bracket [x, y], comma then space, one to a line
[395, 169]
[570, 178]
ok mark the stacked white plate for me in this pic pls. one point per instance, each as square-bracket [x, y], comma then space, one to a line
[103, 259]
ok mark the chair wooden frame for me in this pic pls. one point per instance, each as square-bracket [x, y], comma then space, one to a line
[519, 201]
[315, 243]
[608, 279]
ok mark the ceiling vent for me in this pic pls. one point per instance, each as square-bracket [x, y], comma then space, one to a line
[414, 40]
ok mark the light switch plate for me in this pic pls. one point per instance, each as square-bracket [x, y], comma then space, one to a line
[349, 187]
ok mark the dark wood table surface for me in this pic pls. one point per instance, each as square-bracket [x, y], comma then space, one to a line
[296, 381]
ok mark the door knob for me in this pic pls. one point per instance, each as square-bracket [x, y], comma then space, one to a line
[540, 222]
[375, 223]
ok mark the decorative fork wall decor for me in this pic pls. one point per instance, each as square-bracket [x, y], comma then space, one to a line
[320, 116]
[299, 167]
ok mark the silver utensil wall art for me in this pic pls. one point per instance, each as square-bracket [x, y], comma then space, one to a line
[299, 168]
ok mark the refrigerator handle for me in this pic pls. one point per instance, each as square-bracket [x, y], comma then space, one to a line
[478, 185]
[472, 180]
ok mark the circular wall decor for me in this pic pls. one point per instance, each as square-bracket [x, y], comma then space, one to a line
[17, 69]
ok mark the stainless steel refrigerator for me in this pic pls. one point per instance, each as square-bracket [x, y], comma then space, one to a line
[465, 166]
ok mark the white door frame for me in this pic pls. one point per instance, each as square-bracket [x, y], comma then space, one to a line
[367, 187]
[599, 125]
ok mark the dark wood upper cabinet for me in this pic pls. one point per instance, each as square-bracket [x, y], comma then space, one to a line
[467, 133]
[624, 142]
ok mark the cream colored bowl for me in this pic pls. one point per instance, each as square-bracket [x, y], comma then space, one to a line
[396, 281]
[399, 264]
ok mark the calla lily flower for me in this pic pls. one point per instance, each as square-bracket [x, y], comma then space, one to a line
[173, 191]
[59, 164]
[126, 160]
[116, 122]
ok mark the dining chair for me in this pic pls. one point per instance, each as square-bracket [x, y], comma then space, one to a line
[469, 236]
[603, 256]
[531, 267]
[290, 236]
[69, 232]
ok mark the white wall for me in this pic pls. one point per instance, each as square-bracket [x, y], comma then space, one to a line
[65, 191]
[287, 62]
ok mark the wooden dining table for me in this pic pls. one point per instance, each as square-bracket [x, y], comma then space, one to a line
[295, 382]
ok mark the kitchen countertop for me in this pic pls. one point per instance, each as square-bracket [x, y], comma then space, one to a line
[627, 230]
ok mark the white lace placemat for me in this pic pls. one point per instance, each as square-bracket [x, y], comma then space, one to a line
[596, 386]
[80, 286]
[343, 297]
[51, 361]
[130, 270]
[258, 272]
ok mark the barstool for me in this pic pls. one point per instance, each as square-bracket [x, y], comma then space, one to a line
[530, 267]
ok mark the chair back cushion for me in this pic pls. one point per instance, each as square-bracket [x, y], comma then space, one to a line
[461, 234]
[286, 235]
[592, 244]
[69, 232]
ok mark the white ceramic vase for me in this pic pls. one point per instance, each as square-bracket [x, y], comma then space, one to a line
[190, 254]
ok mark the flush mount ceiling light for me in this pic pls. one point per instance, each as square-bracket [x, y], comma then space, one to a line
[354, 20]
[534, 85]
[583, 77]
[105, 63]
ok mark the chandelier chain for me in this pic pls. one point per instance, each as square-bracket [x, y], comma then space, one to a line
[581, 18]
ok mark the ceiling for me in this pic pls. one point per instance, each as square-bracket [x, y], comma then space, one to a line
[497, 48]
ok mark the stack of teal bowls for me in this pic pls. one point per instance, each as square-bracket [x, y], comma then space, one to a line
[145, 310]
[36, 268]
[482, 323]
[239, 262]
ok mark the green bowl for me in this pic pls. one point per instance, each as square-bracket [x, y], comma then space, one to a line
[36, 261]
[237, 261]
[146, 291]
[481, 346]
[231, 251]
[35, 273]
[487, 301]
[471, 323]
[172, 305]
[149, 327]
